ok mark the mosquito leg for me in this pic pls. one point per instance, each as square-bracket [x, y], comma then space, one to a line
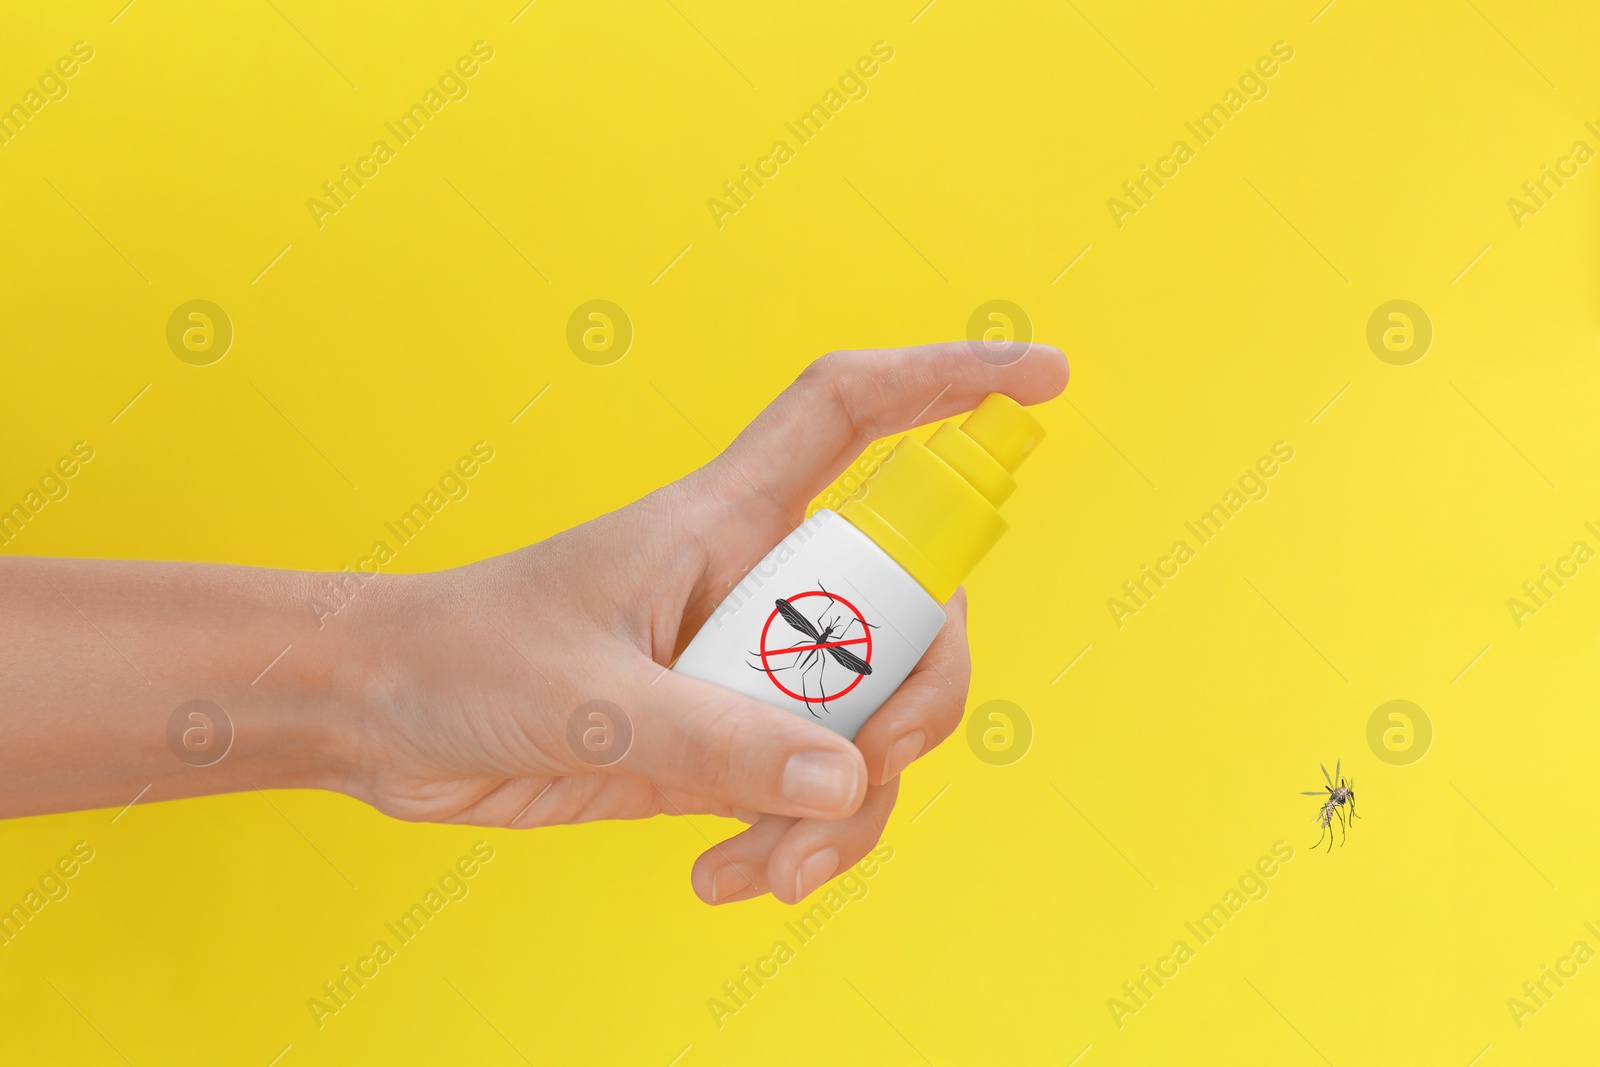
[853, 621]
[805, 694]
[769, 670]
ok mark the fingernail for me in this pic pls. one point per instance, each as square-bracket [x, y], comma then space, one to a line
[824, 781]
[817, 868]
[902, 752]
[728, 881]
[746, 816]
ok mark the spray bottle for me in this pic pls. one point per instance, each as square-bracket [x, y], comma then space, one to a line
[835, 617]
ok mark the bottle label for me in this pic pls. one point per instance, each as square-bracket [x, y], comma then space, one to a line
[827, 626]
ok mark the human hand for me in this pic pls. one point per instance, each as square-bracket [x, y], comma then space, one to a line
[467, 696]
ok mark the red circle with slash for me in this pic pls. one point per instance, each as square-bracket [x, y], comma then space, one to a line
[865, 639]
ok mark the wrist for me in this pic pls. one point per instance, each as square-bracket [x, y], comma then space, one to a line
[364, 670]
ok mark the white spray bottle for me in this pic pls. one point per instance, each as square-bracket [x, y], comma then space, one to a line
[835, 617]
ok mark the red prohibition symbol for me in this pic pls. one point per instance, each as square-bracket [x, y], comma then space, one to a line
[818, 630]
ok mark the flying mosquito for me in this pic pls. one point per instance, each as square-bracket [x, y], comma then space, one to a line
[829, 627]
[1334, 798]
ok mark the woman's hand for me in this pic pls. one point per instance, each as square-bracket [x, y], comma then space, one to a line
[465, 695]
[473, 724]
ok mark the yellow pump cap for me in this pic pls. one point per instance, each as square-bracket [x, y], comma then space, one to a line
[933, 508]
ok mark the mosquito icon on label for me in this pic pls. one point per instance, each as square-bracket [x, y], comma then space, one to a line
[828, 639]
[1335, 798]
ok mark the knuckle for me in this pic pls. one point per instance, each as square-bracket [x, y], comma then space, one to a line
[832, 380]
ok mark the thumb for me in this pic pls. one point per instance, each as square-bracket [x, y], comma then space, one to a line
[846, 400]
[695, 737]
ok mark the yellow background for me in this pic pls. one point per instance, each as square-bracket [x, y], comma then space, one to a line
[1223, 317]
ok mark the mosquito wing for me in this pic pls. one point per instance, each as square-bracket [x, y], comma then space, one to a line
[1324, 767]
[1336, 767]
[1314, 793]
[850, 661]
[792, 616]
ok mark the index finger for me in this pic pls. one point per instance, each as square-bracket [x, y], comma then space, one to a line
[846, 400]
